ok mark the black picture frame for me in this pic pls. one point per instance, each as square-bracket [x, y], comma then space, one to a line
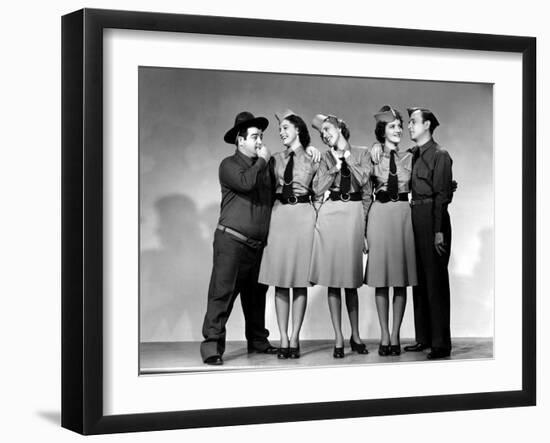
[82, 220]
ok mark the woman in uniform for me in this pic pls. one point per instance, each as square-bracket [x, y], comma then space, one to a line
[391, 260]
[339, 238]
[286, 257]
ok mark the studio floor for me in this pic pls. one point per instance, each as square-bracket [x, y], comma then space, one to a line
[174, 357]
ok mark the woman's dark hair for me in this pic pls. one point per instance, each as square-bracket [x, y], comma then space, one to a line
[303, 133]
[341, 124]
[380, 129]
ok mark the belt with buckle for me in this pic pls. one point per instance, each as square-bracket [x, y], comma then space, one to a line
[346, 197]
[293, 199]
[423, 201]
[248, 240]
[385, 197]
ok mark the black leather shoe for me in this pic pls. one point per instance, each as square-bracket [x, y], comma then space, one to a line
[360, 348]
[417, 347]
[439, 353]
[395, 350]
[215, 360]
[294, 352]
[269, 350]
[282, 353]
[383, 350]
[338, 352]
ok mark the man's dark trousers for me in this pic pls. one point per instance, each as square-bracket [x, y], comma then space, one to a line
[235, 271]
[431, 297]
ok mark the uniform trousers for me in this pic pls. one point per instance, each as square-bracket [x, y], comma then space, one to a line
[236, 265]
[431, 297]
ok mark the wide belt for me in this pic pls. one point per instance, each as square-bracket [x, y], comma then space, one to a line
[248, 240]
[293, 199]
[385, 197]
[345, 197]
[423, 201]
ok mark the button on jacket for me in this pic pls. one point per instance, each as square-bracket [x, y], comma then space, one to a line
[247, 195]
[432, 178]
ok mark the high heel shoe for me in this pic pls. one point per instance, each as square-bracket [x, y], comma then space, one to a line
[384, 350]
[282, 353]
[294, 352]
[395, 350]
[360, 348]
[338, 352]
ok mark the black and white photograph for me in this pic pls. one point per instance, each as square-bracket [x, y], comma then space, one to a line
[271, 221]
[299, 221]
[266, 222]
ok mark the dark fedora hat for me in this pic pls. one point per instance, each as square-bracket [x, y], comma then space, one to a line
[244, 120]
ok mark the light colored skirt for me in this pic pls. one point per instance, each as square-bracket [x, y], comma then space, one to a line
[287, 255]
[391, 260]
[337, 256]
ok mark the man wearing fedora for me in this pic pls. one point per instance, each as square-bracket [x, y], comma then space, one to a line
[432, 190]
[247, 185]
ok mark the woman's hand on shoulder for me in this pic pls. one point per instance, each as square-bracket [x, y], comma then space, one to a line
[314, 153]
[376, 152]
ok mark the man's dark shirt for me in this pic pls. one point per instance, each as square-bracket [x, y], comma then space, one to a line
[432, 177]
[247, 195]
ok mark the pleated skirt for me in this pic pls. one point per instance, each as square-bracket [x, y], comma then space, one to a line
[337, 255]
[391, 258]
[286, 257]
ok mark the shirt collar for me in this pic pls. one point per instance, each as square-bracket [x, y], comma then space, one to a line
[386, 151]
[347, 148]
[297, 152]
[429, 144]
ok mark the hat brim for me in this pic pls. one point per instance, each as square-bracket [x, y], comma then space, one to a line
[318, 120]
[257, 122]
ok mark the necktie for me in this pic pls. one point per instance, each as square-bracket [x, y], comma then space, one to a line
[345, 177]
[392, 178]
[287, 185]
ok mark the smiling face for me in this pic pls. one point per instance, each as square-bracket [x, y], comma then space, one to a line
[417, 128]
[393, 131]
[288, 133]
[330, 134]
[252, 141]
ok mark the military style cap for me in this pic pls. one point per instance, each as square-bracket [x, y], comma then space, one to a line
[386, 116]
[282, 115]
[427, 111]
[319, 119]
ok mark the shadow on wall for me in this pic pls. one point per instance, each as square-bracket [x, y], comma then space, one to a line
[472, 297]
[174, 277]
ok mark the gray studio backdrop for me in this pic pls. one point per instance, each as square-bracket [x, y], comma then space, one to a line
[183, 115]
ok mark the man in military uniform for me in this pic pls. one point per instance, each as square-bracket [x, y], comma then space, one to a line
[432, 190]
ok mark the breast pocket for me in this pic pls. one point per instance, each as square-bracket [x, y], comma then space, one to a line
[405, 170]
[423, 174]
